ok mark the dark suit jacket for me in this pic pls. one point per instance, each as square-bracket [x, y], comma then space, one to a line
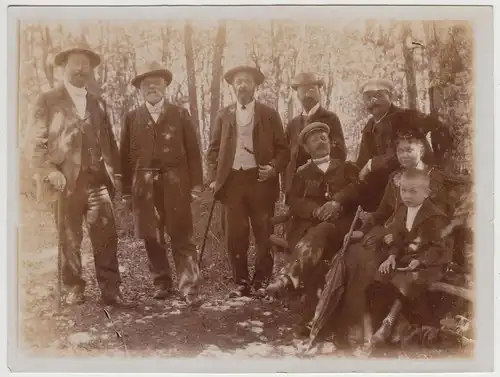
[310, 188]
[57, 139]
[338, 150]
[378, 144]
[446, 194]
[269, 144]
[173, 143]
[427, 226]
[378, 139]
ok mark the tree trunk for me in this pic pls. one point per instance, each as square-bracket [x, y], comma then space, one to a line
[411, 80]
[215, 99]
[191, 78]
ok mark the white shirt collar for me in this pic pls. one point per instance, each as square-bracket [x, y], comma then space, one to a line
[156, 108]
[312, 111]
[414, 209]
[323, 163]
[248, 107]
[411, 214]
[73, 90]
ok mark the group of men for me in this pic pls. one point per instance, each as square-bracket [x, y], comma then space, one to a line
[157, 169]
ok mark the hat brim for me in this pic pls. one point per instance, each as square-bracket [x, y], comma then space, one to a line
[257, 75]
[61, 58]
[320, 83]
[165, 73]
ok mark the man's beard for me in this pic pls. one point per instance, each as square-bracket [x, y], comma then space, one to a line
[309, 102]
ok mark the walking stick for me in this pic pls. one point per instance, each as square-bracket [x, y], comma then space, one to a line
[214, 201]
[60, 229]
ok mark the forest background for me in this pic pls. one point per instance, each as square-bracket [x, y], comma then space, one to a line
[429, 62]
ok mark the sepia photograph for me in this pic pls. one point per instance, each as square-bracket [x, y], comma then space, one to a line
[258, 183]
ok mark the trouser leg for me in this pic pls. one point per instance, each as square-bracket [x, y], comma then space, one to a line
[237, 240]
[158, 264]
[179, 226]
[308, 253]
[102, 232]
[69, 213]
[261, 210]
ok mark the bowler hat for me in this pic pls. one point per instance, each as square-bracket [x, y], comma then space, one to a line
[310, 128]
[258, 76]
[151, 68]
[306, 78]
[376, 84]
[81, 47]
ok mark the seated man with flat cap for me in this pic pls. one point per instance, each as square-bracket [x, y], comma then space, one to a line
[308, 87]
[323, 200]
[377, 156]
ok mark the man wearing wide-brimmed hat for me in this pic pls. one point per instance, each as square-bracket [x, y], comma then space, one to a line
[75, 152]
[377, 156]
[161, 167]
[308, 87]
[247, 151]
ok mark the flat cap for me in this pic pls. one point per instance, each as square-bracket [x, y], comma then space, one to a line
[306, 78]
[151, 68]
[80, 47]
[258, 76]
[376, 84]
[310, 128]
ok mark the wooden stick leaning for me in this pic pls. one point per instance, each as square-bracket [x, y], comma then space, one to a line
[214, 201]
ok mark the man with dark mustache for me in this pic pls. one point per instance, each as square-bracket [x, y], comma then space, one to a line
[161, 167]
[75, 152]
[247, 151]
[323, 199]
[377, 157]
[308, 86]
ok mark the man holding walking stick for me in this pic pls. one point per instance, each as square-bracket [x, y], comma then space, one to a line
[74, 152]
[247, 151]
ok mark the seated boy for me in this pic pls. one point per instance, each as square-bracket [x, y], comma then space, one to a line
[410, 149]
[416, 252]
[323, 200]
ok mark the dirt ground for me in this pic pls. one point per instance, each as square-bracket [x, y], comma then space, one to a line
[239, 327]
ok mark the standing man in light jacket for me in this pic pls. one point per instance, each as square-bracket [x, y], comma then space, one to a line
[74, 151]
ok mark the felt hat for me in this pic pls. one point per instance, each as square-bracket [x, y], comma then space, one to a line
[81, 47]
[151, 68]
[311, 128]
[306, 78]
[376, 84]
[258, 76]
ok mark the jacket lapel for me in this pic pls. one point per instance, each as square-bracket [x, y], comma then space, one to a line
[426, 211]
[256, 132]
